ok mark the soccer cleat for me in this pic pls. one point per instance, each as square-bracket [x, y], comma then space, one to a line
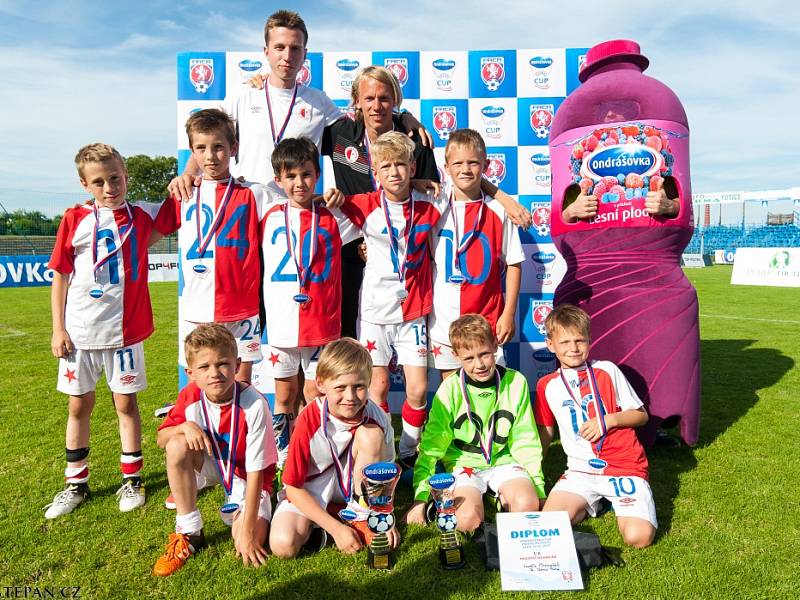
[407, 462]
[179, 548]
[317, 540]
[67, 500]
[162, 411]
[131, 495]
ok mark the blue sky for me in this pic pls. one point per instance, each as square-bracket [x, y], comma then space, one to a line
[76, 72]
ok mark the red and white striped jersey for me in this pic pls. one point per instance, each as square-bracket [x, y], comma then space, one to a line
[382, 288]
[108, 307]
[291, 324]
[556, 403]
[489, 241]
[255, 444]
[310, 453]
[220, 271]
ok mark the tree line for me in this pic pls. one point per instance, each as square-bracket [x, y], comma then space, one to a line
[148, 178]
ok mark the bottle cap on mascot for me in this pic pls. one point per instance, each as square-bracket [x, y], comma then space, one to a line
[612, 51]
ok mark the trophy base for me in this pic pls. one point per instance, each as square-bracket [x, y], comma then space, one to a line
[452, 558]
[383, 561]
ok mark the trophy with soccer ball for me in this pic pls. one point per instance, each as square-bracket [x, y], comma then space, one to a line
[451, 550]
[377, 487]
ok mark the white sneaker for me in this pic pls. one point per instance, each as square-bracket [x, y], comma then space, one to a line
[131, 495]
[67, 500]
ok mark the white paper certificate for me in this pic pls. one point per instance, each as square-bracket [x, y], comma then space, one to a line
[537, 552]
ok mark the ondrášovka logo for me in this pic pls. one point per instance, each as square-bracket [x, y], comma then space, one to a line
[399, 68]
[541, 119]
[495, 168]
[543, 258]
[445, 120]
[541, 67]
[492, 120]
[346, 68]
[540, 163]
[304, 74]
[201, 73]
[249, 67]
[621, 159]
[443, 69]
[493, 72]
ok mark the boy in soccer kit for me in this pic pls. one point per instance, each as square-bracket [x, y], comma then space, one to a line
[219, 430]
[301, 247]
[596, 410]
[101, 315]
[472, 245]
[335, 437]
[219, 237]
[468, 414]
[396, 292]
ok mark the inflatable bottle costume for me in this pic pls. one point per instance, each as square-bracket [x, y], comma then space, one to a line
[617, 136]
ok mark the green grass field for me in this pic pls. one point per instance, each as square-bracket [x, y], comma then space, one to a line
[728, 509]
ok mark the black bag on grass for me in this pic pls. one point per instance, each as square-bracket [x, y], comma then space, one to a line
[590, 552]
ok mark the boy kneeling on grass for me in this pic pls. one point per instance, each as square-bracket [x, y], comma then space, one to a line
[335, 437]
[220, 430]
[481, 428]
[596, 410]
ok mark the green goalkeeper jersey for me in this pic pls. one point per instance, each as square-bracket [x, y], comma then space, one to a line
[455, 437]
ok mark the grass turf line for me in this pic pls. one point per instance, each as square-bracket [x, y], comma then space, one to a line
[728, 509]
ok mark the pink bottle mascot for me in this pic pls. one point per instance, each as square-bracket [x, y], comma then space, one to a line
[616, 137]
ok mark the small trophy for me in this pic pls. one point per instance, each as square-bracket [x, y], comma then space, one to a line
[377, 487]
[451, 550]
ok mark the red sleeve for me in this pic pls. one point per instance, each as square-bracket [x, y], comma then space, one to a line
[62, 259]
[296, 467]
[177, 414]
[541, 410]
[168, 219]
[357, 208]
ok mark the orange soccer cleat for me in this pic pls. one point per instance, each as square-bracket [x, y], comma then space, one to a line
[179, 548]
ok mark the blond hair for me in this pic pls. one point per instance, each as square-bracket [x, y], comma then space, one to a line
[212, 336]
[465, 138]
[381, 75]
[570, 318]
[469, 330]
[342, 357]
[211, 120]
[392, 145]
[96, 153]
[288, 19]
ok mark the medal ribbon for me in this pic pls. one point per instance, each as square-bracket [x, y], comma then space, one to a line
[303, 271]
[124, 233]
[279, 137]
[461, 245]
[486, 449]
[394, 246]
[225, 470]
[346, 487]
[202, 242]
[600, 410]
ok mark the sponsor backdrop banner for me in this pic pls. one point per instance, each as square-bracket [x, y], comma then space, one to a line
[162, 267]
[508, 96]
[778, 267]
[25, 271]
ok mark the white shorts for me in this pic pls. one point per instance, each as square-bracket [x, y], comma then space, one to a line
[246, 331]
[208, 475]
[409, 339]
[124, 368]
[286, 362]
[324, 489]
[492, 478]
[441, 356]
[630, 496]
